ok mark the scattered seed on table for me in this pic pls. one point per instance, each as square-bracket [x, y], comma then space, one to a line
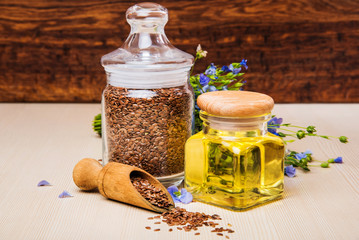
[157, 229]
[150, 218]
[157, 222]
[148, 228]
[191, 221]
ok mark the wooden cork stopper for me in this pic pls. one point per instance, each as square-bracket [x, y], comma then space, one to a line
[235, 103]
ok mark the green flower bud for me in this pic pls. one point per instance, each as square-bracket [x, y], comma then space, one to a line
[343, 139]
[300, 134]
[311, 129]
[324, 165]
[281, 134]
[304, 161]
[331, 160]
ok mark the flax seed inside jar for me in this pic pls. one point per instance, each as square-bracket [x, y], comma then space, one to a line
[147, 105]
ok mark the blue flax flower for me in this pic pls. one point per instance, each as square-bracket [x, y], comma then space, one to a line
[225, 69]
[177, 196]
[244, 63]
[234, 70]
[203, 79]
[211, 70]
[289, 171]
[273, 125]
[338, 160]
[300, 156]
[208, 88]
[303, 155]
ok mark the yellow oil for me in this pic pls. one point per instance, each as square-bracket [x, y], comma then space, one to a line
[234, 170]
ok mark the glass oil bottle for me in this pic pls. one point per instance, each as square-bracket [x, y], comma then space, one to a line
[234, 162]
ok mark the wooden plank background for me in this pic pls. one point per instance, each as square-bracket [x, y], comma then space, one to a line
[297, 51]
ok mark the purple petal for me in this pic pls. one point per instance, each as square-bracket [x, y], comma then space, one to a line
[43, 183]
[272, 130]
[205, 88]
[65, 194]
[275, 121]
[225, 69]
[203, 79]
[338, 160]
[212, 88]
[172, 189]
[237, 70]
[299, 156]
[290, 171]
[185, 197]
[244, 63]
[230, 67]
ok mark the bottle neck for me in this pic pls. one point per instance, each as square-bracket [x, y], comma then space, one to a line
[233, 127]
[147, 40]
[147, 27]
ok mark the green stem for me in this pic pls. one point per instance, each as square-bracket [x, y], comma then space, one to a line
[314, 165]
[194, 62]
[328, 136]
[290, 125]
[313, 160]
[291, 135]
[288, 130]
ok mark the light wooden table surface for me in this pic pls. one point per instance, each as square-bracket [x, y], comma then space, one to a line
[45, 141]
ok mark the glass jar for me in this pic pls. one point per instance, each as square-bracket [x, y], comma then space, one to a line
[234, 162]
[147, 105]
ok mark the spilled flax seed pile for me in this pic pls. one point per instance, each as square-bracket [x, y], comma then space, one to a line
[153, 194]
[189, 221]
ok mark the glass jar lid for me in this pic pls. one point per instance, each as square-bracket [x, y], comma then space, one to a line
[147, 58]
[240, 104]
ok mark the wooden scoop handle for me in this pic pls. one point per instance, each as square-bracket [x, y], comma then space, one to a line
[114, 182]
[86, 172]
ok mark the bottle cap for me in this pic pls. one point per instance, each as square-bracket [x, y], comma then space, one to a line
[147, 59]
[235, 103]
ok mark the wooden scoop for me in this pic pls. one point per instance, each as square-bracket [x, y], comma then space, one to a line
[114, 182]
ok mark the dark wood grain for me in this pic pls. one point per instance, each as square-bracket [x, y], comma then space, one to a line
[297, 51]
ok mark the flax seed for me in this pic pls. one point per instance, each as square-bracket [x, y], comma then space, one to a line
[144, 125]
